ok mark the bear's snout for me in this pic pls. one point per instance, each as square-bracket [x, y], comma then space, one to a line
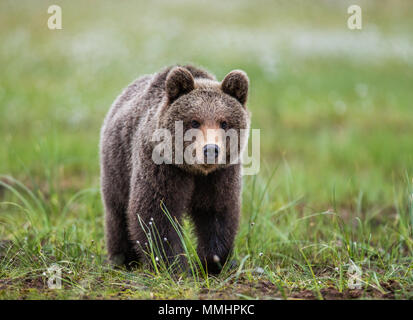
[211, 151]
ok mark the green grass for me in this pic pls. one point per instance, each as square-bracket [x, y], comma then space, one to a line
[333, 106]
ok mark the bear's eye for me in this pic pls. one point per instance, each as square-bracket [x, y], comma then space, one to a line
[195, 124]
[224, 125]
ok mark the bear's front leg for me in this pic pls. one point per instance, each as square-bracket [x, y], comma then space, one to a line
[148, 224]
[215, 210]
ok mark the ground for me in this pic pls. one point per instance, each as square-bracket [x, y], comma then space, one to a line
[330, 214]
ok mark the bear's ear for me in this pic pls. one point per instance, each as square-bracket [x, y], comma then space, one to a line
[178, 82]
[236, 84]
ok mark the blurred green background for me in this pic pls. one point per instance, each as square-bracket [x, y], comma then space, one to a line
[334, 107]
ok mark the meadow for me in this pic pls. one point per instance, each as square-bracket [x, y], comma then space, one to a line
[329, 215]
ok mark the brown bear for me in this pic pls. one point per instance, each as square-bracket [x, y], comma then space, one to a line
[133, 185]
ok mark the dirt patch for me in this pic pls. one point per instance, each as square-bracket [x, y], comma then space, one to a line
[305, 294]
[242, 288]
[34, 283]
[264, 289]
[5, 283]
[334, 294]
[234, 290]
[23, 286]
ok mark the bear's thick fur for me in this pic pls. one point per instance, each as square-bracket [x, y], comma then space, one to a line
[133, 186]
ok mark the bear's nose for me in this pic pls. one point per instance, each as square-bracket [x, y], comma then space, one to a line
[211, 151]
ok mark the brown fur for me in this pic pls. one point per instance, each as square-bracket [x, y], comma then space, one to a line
[133, 185]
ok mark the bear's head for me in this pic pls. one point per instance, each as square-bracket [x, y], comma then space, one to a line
[208, 120]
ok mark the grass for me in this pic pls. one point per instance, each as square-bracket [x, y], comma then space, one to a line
[334, 193]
